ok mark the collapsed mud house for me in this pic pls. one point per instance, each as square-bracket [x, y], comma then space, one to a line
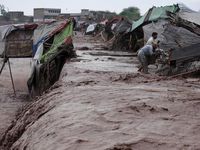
[52, 45]
[178, 30]
[115, 33]
[15, 42]
[49, 45]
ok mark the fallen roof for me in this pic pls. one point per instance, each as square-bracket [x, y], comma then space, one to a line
[154, 14]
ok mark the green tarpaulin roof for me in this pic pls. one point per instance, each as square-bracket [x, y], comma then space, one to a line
[154, 14]
[58, 41]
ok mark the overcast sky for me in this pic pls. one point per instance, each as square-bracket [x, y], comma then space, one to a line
[76, 5]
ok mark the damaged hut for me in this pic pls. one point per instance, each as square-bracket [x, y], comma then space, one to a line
[15, 42]
[52, 45]
[115, 33]
[49, 44]
[178, 29]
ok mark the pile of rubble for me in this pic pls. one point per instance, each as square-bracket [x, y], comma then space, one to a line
[178, 29]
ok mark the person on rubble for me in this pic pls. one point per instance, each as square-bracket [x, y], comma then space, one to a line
[145, 54]
[153, 39]
[74, 22]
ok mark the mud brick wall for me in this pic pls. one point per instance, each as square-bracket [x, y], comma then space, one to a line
[19, 44]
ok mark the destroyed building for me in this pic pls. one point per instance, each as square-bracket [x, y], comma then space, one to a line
[52, 45]
[49, 45]
[116, 33]
[177, 26]
[178, 29]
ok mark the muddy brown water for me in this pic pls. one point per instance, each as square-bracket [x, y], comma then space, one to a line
[9, 103]
[106, 61]
[102, 103]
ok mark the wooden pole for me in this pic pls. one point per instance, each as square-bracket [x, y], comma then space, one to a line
[2, 66]
[11, 77]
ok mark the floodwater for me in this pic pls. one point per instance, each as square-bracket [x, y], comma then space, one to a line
[9, 103]
[101, 102]
[106, 61]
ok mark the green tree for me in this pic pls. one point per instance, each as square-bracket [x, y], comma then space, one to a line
[132, 13]
[3, 10]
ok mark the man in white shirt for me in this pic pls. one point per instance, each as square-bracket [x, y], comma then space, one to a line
[144, 56]
[152, 39]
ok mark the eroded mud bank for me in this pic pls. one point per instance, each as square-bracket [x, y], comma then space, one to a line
[109, 107]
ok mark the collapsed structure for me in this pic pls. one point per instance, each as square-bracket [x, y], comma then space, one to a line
[176, 25]
[178, 30]
[115, 33]
[49, 44]
[16, 40]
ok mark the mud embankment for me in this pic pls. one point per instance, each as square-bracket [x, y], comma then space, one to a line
[109, 107]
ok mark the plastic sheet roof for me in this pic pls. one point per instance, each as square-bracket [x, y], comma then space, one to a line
[61, 30]
[154, 14]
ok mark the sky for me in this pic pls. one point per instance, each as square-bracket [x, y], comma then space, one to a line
[75, 6]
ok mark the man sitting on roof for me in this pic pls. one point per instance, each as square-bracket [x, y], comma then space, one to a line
[144, 56]
[152, 39]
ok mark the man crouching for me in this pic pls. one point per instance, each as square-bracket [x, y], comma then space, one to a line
[145, 55]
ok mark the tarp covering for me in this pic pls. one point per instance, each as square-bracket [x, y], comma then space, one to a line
[177, 29]
[42, 33]
[52, 46]
[59, 39]
[91, 28]
[49, 43]
[178, 32]
[154, 14]
[45, 32]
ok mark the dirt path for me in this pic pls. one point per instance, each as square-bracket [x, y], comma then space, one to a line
[102, 103]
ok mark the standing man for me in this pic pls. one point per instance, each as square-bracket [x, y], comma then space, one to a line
[152, 39]
[74, 23]
[144, 56]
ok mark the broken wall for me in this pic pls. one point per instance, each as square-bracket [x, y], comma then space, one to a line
[19, 43]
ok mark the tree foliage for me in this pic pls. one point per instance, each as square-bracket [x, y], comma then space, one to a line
[132, 13]
[3, 10]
